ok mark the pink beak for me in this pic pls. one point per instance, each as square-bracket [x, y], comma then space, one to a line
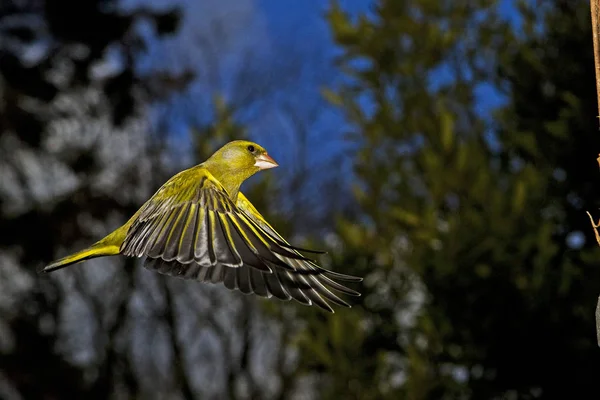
[264, 161]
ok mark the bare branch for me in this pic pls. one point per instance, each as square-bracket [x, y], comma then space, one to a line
[598, 320]
[286, 376]
[114, 359]
[595, 226]
[180, 372]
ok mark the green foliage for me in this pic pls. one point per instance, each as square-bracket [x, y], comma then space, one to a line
[472, 284]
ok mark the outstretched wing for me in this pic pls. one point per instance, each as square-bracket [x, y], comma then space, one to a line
[307, 283]
[191, 229]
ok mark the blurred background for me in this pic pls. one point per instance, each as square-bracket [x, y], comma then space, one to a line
[443, 149]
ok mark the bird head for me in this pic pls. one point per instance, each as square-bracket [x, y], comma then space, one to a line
[243, 155]
[238, 160]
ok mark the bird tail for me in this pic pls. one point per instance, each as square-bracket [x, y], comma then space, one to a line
[97, 250]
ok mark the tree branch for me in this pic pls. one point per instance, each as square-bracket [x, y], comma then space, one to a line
[115, 364]
[595, 13]
[598, 320]
[180, 371]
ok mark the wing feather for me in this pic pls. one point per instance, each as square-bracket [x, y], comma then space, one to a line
[230, 281]
[255, 244]
[243, 280]
[257, 283]
[185, 253]
[191, 229]
[202, 241]
[177, 225]
[274, 286]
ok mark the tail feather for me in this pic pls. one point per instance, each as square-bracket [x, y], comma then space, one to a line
[99, 250]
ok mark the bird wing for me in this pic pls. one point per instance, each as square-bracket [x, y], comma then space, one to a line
[307, 283]
[192, 229]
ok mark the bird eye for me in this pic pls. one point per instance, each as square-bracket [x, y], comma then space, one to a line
[251, 149]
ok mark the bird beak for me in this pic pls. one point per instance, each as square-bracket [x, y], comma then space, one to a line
[264, 161]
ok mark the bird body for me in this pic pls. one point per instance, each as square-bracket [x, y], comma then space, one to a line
[198, 225]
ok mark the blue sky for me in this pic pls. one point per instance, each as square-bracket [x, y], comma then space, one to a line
[309, 14]
[271, 31]
[275, 33]
[285, 17]
[306, 19]
[262, 25]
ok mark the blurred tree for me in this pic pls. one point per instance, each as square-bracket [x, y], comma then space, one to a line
[72, 121]
[474, 247]
[558, 139]
[80, 154]
[269, 95]
[473, 234]
[270, 84]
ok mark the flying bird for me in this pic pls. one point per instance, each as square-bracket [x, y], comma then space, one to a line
[199, 225]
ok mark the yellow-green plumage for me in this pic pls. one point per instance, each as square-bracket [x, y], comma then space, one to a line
[199, 225]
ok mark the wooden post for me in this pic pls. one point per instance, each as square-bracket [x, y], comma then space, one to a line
[595, 14]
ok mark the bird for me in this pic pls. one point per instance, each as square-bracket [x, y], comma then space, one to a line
[200, 226]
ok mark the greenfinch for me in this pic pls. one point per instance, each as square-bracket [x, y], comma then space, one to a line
[199, 225]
